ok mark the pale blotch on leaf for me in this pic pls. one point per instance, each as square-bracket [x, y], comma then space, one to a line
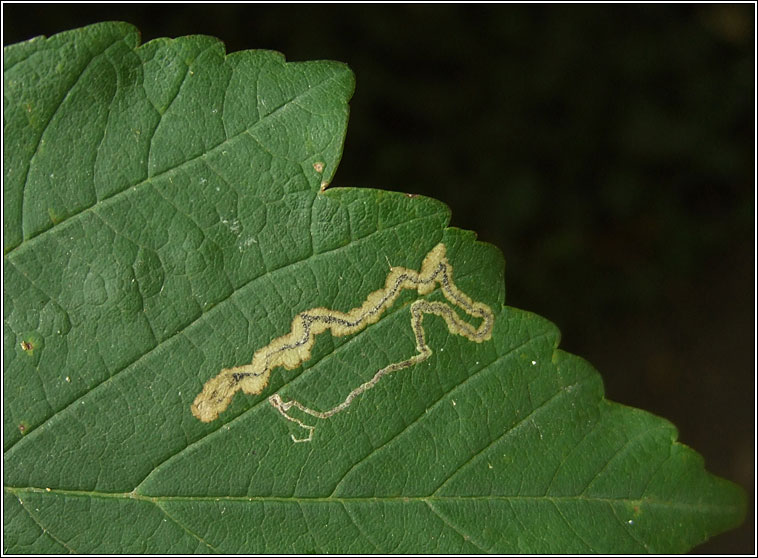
[294, 348]
[318, 166]
[55, 217]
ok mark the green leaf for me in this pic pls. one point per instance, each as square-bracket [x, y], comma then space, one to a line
[165, 219]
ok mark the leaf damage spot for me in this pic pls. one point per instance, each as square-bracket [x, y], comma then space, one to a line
[294, 348]
[31, 345]
[318, 166]
[55, 217]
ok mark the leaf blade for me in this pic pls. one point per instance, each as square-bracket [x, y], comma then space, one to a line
[190, 232]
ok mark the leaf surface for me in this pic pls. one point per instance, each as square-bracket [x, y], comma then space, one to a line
[164, 219]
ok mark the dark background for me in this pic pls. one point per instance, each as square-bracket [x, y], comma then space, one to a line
[607, 150]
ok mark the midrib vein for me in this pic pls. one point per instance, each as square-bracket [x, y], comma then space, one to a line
[700, 507]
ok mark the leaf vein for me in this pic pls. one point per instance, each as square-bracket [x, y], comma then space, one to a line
[358, 526]
[464, 536]
[105, 129]
[570, 453]
[434, 405]
[264, 400]
[625, 528]
[186, 529]
[113, 198]
[544, 405]
[45, 530]
[161, 113]
[571, 527]
[62, 100]
[700, 506]
[621, 451]
[217, 307]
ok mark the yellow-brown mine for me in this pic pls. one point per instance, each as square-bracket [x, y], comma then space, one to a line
[294, 348]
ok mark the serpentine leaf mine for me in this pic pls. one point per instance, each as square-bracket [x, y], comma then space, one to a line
[294, 348]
